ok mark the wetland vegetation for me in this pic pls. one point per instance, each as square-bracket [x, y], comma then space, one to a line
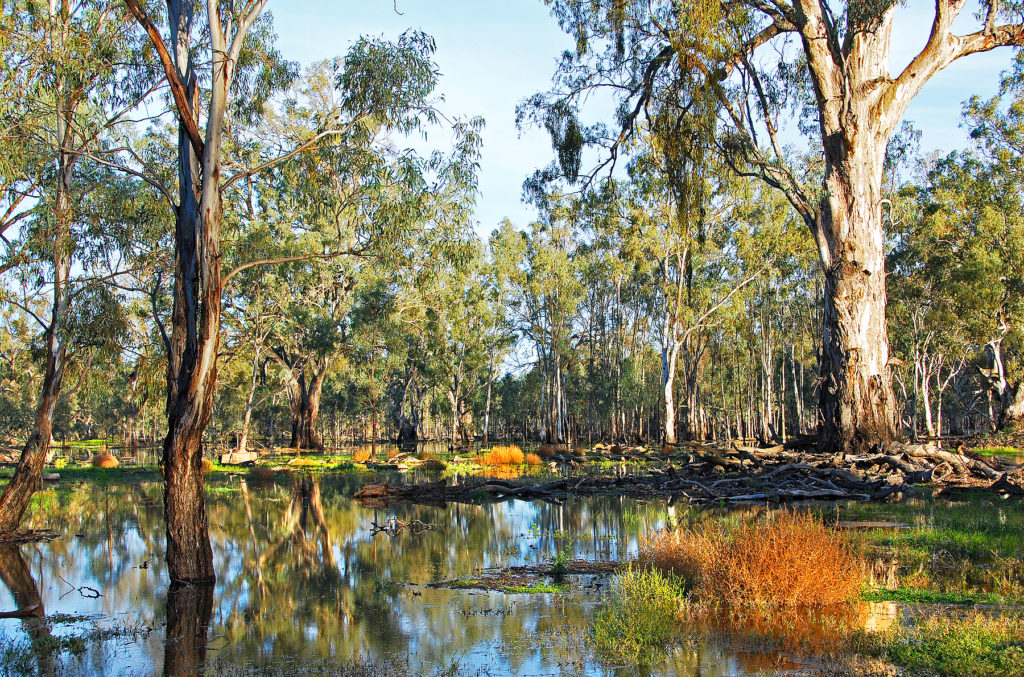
[742, 394]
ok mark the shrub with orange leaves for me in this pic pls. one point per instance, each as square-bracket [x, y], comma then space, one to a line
[502, 455]
[791, 560]
[104, 459]
[533, 459]
[361, 455]
[546, 451]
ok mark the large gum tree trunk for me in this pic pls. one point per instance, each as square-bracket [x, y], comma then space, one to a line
[304, 398]
[858, 406]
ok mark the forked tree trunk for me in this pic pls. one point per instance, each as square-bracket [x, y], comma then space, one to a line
[195, 336]
[192, 375]
[858, 406]
[304, 398]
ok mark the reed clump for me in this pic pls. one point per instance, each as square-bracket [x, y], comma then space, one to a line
[362, 454]
[789, 561]
[502, 455]
[533, 459]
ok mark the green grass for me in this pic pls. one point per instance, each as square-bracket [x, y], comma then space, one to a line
[999, 451]
[639, 620]
[89, 445]
[915, 596]
[976, 646]
[80, 473]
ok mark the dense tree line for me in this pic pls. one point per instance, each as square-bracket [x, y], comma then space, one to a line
[204, 242]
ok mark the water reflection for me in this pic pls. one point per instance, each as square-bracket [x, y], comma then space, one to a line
[189, 608]
[302, 582]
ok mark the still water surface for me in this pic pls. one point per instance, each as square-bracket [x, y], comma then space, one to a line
[303, 584]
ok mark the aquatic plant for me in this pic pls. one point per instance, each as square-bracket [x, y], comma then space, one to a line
[977, 645]
[641, 616]
[790, 560]
[533, 459]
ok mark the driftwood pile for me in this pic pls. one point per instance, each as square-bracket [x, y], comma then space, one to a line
[732, 473]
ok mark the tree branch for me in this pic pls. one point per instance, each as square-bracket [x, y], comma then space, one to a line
[181, 98]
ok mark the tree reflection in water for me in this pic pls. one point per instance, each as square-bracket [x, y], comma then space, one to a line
[15, 574]
[189, 608]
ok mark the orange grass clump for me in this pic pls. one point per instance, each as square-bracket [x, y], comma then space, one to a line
[502, 455]
[546, 451]
[104, 459]
[207, 465]
[789, 561]
[361, 455]
[533, 459]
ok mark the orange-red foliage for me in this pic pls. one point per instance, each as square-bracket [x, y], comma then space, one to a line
[789, 561]
[533, 459]
[104, 459]
[502, 455]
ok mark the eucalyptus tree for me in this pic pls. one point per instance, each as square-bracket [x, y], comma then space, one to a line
[751, 62]
[354, 201]
[73, 74]
[546, 296]
[959, 267]
[462, 326]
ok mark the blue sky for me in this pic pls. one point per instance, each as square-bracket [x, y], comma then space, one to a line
[494, 53]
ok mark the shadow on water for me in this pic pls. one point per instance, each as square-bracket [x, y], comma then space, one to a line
[303, 584]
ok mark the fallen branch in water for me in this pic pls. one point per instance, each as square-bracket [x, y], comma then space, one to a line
[394, 526]
[84, 590]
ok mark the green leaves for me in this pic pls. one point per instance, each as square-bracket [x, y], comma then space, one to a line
[391, 82]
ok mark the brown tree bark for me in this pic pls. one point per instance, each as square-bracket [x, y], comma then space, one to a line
[304, 399]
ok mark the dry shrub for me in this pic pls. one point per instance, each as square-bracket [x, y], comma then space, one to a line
[206, 466]
[104, 459]
[502, 455]
[667, 449]
[789, 561]
[394, 451]
[546, 451]
[362, 454]
[533, 459]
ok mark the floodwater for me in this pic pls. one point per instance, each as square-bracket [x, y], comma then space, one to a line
[304, 585]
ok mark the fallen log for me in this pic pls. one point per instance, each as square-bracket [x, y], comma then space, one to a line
[33, 611]
[958, 461]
